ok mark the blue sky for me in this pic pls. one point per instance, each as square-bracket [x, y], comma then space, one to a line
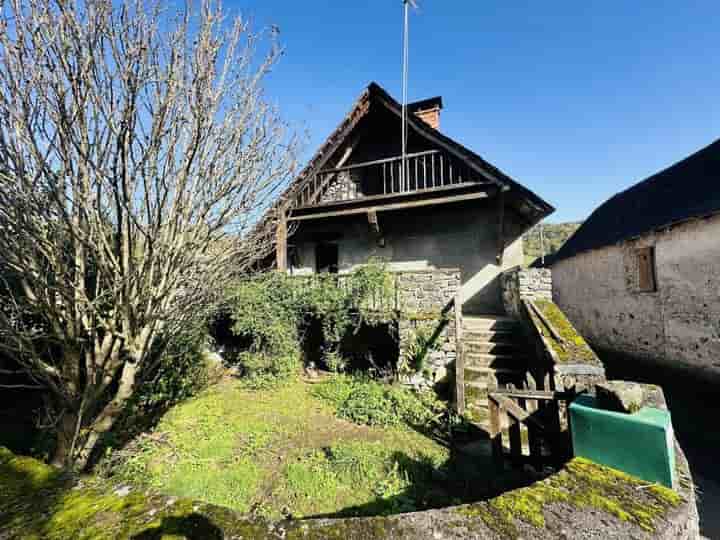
[576, 100]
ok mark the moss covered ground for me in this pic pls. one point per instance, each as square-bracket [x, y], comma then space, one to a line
[284, 452]
[581, 485]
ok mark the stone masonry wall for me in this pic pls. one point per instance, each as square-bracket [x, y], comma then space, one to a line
[677, 325]
[425, 300]
[345, 187]
[530, 283]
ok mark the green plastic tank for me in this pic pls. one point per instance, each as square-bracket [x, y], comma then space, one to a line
[640, 444]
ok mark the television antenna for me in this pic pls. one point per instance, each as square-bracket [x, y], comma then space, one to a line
[405, 62]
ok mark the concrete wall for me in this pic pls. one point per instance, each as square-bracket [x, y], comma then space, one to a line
[461, 235]
[678, 324]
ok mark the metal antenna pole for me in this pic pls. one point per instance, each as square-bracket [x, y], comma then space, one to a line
[406, 59]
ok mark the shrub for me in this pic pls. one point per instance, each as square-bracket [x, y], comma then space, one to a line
[181, 372]
[365, 401]
[272, 312]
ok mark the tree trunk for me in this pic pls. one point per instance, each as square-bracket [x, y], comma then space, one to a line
[106, 419]
[67, 427]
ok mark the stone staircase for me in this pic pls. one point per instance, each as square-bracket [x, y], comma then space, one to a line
[496, 355]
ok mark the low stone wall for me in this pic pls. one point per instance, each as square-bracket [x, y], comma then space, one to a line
[426, 307]
[530, 283]
[582, 500]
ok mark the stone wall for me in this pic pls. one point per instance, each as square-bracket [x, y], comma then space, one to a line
[345, 187]
[518, 283]
[41, 502]
[426, 306]
[677, 325]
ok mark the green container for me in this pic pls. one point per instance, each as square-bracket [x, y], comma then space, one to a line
[640, 444]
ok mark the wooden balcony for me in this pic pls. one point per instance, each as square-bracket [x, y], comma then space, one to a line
[431, 173]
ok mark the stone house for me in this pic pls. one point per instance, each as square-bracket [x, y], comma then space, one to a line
[446, 222]
[450, 210]
[641, 277]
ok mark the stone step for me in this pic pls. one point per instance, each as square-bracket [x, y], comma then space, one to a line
[474, 373]
[483, 324]
[494, 348]
[495, 360]
[491, 336]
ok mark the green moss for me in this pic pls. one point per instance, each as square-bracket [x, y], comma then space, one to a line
[432, 315]
[582, 484]
[572, 347]
[36, 501]
[476, 415]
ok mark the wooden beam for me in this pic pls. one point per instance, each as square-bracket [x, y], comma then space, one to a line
[341, 168]
[394, 206]
[281, 243]
[546, 395]
[427, 132]
[417, 192]
[517, 412]
[459, 357]
[375, 227]
[501, 227]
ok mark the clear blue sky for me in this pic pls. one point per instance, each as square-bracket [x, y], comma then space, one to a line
[576, 100]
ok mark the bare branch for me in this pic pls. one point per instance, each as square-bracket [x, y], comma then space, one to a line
[134, 164]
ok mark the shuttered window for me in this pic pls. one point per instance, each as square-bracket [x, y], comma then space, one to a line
[646, 269]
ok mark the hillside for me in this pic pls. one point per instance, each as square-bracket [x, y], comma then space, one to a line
[555, 235]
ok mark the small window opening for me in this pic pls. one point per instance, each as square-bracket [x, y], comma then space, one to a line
[326, 258]
[647, 281]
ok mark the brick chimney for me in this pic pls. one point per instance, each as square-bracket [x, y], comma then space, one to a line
[428, 110]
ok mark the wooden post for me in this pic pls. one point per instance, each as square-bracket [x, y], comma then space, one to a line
[495, 431]
[534, 439]
[501, 226]
[515, 440]
[459, 356]
[281, 243]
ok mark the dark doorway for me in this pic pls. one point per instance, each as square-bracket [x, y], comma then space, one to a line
[326, 258]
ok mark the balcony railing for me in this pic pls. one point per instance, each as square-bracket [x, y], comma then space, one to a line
[418, 172]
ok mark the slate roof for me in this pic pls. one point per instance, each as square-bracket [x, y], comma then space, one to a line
[685, 190]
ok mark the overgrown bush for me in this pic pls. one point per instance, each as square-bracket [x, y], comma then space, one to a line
[366, 401]
[422, 343]
[181, 370]
[272, 313]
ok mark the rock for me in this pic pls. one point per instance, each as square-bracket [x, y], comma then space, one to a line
[619, 396]
[123, 491]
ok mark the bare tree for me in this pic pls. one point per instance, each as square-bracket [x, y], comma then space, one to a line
[137, 151]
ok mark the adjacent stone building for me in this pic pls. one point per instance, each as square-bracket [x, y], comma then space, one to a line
[641, 277]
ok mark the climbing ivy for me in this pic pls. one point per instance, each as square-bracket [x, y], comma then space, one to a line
[272, 312]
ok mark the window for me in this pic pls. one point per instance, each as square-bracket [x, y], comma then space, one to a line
[326, 258]
[646, 269]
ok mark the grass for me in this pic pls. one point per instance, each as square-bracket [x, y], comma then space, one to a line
[285, 452]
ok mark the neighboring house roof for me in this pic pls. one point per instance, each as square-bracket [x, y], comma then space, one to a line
[688, 189]
[375, 94]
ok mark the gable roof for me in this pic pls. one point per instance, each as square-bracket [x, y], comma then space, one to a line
[374, 95]
[685, 190]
